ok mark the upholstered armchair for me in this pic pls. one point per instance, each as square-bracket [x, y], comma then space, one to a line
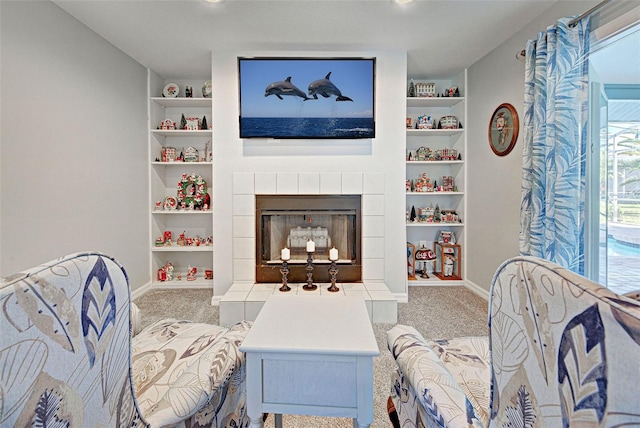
[562, 351]
[67, 356]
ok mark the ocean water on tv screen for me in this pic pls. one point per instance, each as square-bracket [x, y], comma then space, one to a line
[316, 127]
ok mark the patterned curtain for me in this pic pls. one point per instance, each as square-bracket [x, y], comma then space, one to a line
[555, 145]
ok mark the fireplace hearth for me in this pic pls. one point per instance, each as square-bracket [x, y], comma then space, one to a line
[331, 221]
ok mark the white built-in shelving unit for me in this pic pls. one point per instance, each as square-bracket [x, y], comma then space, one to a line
[418, 233]
[165, 176]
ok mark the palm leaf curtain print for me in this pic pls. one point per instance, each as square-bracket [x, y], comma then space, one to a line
[555, 145]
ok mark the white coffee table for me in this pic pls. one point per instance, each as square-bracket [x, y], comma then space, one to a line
[311, 355]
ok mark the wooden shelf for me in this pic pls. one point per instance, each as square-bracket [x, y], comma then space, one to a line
[183, 283]
[182, 102]
[182, 133]
[433, 101]
[434, 193]
[431, 163]
[433, 281]
[434, 132]
[182, 212]
[180, 163]
[425, 224]
[183, 249]
[447, 278]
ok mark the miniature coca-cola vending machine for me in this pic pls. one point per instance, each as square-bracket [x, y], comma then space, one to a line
[162, 274]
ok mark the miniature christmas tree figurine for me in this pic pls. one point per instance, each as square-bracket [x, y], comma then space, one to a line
[436, 214]
[183, 122]
[204, 123]
[459, 156]
[412, 89]
[413, 213]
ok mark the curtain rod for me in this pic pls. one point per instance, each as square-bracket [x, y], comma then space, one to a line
[522, 54]
[594, 9]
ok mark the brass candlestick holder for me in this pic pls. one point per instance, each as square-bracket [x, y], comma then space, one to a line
[284, 270]
[333, 271]
[309, 286]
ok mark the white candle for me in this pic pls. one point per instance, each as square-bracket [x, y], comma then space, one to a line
[285, 254]
[333, 254]
[311, 246]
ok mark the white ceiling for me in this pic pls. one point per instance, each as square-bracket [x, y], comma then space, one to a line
[175, 38]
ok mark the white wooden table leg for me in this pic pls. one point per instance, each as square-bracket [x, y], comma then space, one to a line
[357, 425]
[365, 392]
[254, 389]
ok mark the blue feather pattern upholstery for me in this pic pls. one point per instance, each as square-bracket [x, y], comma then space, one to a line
[562, 351]
[67, 357]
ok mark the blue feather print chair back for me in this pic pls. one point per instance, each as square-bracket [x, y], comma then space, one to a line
[65, 352]
[565, 351]
[562, 351]
[68, 358]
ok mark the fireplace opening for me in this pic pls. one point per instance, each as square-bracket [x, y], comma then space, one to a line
[330, 221]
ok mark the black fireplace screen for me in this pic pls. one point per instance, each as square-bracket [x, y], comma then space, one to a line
[291, 221]
[327, 229]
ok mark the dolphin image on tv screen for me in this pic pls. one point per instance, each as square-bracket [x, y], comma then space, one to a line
[326, 88]
[285, 87]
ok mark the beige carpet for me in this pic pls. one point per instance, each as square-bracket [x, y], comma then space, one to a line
[437, 312]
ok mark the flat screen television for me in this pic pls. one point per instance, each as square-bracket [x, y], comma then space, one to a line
[307, 98]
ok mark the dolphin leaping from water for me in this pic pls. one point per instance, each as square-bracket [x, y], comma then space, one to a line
[326, 88]
[285, 88]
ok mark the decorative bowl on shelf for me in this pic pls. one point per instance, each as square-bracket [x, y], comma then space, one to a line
[206, 89]
[171, 90]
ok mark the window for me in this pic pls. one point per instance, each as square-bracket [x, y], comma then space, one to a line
[613, 214]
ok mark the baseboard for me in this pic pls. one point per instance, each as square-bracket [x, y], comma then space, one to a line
[475, 288]
[435, 282]
[139, 292]
[401, 297]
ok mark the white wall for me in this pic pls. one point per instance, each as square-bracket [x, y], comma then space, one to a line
[73, 152]
[383, 154]
[73, 143]
[493, 200]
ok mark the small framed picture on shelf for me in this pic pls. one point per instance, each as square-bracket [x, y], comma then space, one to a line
[503, 129]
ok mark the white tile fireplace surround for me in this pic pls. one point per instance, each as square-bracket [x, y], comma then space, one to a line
[244, 299]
